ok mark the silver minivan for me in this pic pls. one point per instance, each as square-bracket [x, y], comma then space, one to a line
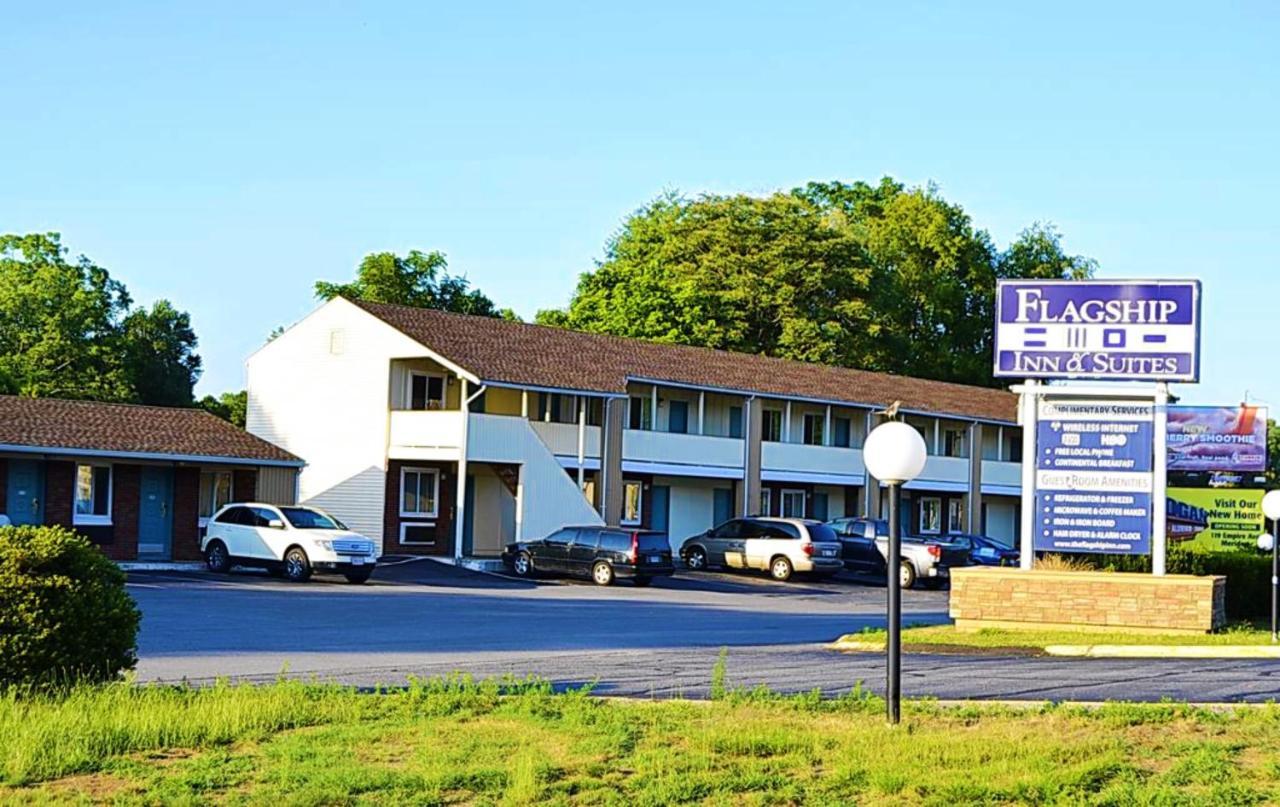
[779, 546]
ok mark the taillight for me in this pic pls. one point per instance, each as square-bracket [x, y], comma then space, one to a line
[807, 549]
[635, 547]
[935, 551]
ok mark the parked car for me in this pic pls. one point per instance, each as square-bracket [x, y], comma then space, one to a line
[602, 554]
[984, 550]
[780, 546]
[865, 547]
[289, 540]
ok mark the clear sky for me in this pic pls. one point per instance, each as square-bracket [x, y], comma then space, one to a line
[226, 155]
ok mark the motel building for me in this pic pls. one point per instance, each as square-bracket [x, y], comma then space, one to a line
[449, 435]
[139, 481]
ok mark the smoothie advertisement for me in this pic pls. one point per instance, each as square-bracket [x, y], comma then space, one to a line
[1210, 520]
[1217, 438]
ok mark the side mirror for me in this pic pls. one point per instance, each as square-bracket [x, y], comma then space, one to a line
[275, 524]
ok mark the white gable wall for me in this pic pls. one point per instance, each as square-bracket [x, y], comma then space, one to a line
[320, 390]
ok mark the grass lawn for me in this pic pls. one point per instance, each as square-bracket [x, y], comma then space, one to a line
[454, 742]
[944, 638]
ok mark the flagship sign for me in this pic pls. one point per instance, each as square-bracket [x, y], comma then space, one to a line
[1094, 483]
[1112, 330]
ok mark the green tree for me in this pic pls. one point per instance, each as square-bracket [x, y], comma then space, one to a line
[68, 330]
[881, 277]
[230, 406]
[419, 279]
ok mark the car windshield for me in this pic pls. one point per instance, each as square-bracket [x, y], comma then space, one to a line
[303, 518]
[819, 533]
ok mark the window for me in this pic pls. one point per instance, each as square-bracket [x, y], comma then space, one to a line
[304, 518]
[215, 492]
[419, 492]
[93, 494]
[589, 490]
[774, 530]
[842, 432]
[771, 426]
[815, 429]
[730, 529]
[235, 515]
[766, 501]
[419, 534]
[954, 442]
[930, 515]
[638, 414]
[632, 494]
[561, 538]
[337, 342]
[955, 514]
[1013, 445]
[426, 391]
[793, 503]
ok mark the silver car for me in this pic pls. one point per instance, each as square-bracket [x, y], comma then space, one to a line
[779, 546]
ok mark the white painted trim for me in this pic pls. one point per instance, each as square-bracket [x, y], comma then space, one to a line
[408, 390]
[405, 524]
[93, 453]
[622, 519]
[435, 496]
[920, 519]
[92, 519]
[782, 502]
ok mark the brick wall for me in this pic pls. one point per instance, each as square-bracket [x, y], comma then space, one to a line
[444, 530]
[59, 492]
[1011, 598]
[123, 543]
[186, 513]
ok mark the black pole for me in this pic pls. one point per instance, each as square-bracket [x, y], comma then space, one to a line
[893, 692]
[1275, 569]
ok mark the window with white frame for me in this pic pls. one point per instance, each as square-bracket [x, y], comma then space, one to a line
[930, 515]
[419, 492]
[426, 391]
[93, 494]
[638, 415]
[632, 502]
[955, 441]
[793, 504]
[766, 501]
[955, 515]
[771, 426]
[215, 492]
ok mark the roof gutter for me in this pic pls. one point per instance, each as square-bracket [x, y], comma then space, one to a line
[148, 455]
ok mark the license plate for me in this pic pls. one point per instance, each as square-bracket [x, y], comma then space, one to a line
[829, 553]
[655, 559]
[357, 561]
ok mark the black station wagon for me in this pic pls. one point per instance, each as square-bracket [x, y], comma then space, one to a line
[602, 554]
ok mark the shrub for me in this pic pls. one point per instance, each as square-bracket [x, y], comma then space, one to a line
[65, 617]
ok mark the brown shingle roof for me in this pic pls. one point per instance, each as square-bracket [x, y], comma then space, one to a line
[95, 427]
[535, 355]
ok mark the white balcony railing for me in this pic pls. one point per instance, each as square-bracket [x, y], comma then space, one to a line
[562, 438]
[430, 435]
[1008, 474]
[681, 449]
[803, 458]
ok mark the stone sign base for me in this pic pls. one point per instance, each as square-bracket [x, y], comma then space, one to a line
[999, 597]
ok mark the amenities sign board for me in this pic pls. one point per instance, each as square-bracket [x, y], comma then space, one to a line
[1094, 481]
[1218, 438]
[1109, 330]
[1214, 520]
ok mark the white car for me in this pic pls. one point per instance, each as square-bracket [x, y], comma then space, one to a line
[286, 539]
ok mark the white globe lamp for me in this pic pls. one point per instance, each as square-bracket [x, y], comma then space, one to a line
[894, 453]
[1271, 505]
[1271, 509]
[1265, 542]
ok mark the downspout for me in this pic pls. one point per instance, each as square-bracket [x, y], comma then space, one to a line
[460, 507]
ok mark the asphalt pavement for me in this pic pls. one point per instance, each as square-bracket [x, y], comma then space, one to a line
[427, 619]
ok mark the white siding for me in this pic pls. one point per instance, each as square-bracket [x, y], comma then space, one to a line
[692, 506]
[320, 390]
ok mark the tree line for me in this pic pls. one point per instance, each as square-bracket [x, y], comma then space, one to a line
[876, 276]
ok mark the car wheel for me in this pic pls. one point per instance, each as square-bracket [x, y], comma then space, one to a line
[602, 574]
[697, 560]
[906, 575]
[216, 557]
[641, 582]
[780, 569]
[358, 577]
[297, 566]
[523, 565]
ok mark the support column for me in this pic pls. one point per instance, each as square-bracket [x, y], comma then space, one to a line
[702, 412]
[611, 461]
[973, 509]
[582, 442]
[786, 424]
[1027, 414]
[753, 415]
[1159, 535]
[871, 488]
[460, 501]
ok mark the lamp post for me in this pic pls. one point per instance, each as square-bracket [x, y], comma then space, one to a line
[895, 454]
[1271, 509]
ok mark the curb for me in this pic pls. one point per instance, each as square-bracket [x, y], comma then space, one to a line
[161, 566]
[1152, 651]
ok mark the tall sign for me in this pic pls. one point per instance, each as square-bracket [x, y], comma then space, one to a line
[1094, 475]
[1141, 330]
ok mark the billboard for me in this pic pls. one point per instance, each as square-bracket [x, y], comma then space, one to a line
[1214, 520]
[1142, 330]
[1232, 439]
[1094, 482]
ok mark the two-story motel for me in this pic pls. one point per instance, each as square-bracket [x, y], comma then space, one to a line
[451, 435]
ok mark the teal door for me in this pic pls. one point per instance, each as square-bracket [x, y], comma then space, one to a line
[678, 418]
[820, 506]
[155, 513]
[24, 495]
[661, 508]
[722, 506]
[469, 517]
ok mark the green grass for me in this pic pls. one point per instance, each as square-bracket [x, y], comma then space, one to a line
[944, 637]
[458, 742]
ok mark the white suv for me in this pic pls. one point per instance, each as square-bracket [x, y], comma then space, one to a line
[288, 540]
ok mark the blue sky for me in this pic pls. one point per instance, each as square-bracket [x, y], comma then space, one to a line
[228, 157]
